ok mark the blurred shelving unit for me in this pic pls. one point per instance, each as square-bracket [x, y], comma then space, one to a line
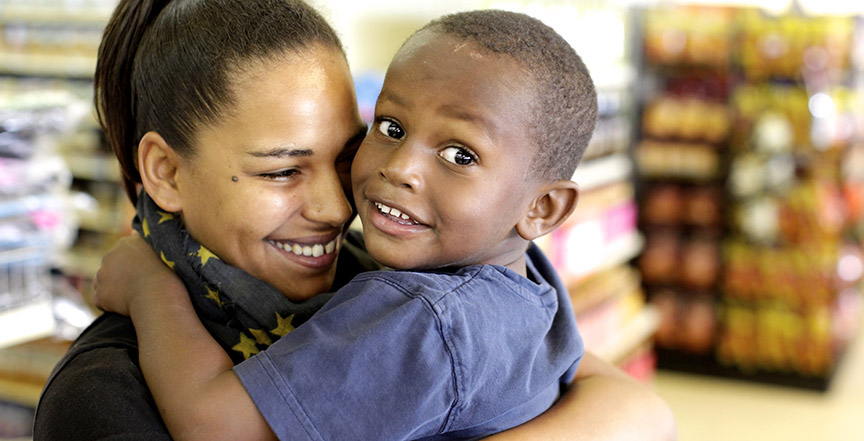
[57, 184]
[53, 44]
[753, 256]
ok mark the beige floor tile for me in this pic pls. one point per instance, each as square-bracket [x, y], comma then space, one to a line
[711, 409]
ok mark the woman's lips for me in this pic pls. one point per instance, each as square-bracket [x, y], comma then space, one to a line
[313, 255]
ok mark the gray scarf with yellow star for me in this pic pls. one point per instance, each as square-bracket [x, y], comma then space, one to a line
[244, 314]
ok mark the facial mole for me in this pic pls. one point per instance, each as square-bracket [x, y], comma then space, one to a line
[235, 178]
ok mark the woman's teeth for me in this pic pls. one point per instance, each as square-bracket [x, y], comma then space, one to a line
[392, 212]
[316, 250]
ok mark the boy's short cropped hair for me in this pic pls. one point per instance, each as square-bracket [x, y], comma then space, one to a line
[565, 107]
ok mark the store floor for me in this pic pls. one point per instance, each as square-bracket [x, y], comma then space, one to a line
[711, 409]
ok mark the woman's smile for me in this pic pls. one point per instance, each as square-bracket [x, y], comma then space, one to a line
[312, 254]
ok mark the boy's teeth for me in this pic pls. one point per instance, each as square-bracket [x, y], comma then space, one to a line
[316, 250]
[391, 211]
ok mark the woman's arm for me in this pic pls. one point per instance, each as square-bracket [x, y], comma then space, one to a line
[603, 403]
[189, 374]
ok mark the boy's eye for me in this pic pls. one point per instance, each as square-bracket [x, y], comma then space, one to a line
[390, 129]
[458, 155]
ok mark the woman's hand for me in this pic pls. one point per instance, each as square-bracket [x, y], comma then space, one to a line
[127, 270]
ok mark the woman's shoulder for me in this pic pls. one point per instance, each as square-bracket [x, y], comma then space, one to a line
[108, 345]
[97, 389]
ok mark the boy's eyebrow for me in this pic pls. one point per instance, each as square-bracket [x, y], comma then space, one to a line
[281, 152]
[454, 111]
[460, 113]
[395, 99]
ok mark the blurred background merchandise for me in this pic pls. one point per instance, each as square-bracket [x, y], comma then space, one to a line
[719, 230]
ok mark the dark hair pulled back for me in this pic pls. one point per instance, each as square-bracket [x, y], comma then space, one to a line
[166, 65]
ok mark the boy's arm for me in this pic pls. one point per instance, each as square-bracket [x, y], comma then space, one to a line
[603, 403]
[189, 374]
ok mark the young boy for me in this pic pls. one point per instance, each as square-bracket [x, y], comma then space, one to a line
[481, 121]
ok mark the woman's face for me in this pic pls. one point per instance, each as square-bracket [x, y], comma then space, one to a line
[266, 187]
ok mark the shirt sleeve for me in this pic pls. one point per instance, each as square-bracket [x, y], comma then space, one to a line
[343, 374]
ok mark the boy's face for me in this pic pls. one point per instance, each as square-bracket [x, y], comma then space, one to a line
[441, 178]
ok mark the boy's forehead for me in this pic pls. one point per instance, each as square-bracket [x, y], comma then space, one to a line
[432, 38]
[435, 50]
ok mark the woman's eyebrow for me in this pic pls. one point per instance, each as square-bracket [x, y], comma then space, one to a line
[281, 152]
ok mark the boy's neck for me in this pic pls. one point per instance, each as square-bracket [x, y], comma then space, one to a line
[519, 265]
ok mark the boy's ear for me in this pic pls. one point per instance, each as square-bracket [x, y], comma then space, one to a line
[158, 164]
[549, 209]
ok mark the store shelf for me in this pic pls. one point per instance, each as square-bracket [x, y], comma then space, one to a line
[32, 320]
[47, 65]
[740, 199]
[21, 393]
[602, 171]
[707, 365]
[73, 14]
[80, 262]
[93, 166]
[630, 336]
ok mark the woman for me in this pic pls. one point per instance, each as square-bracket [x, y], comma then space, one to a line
[259, 173]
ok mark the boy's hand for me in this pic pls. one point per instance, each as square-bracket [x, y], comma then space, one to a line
[130, 268]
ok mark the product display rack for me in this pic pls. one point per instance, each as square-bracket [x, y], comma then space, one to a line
[54, 174]
[53, 44]
[753, 286]
[51, 38]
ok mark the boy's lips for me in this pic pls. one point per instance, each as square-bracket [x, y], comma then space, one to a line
[396, 214]
[394, 221]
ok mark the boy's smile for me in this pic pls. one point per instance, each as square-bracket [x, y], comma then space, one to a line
[441, 178]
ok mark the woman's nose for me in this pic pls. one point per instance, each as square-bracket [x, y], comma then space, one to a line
[327, 201]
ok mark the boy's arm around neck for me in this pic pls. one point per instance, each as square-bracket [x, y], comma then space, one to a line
[190, 375]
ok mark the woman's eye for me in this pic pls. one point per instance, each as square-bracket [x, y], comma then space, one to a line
[280, 175]
[458, 155]
[390, 129]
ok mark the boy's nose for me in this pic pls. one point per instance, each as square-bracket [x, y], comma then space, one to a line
[403, 168]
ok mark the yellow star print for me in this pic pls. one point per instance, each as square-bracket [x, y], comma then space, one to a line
[246, 346]
[164, 217]
[165, 259]
[145, 228]
[261, 337]
[284, 325]
[213, 295]
[205, 255]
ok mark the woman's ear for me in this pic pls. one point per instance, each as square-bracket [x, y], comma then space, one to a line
[549, 209]
[158, 164]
